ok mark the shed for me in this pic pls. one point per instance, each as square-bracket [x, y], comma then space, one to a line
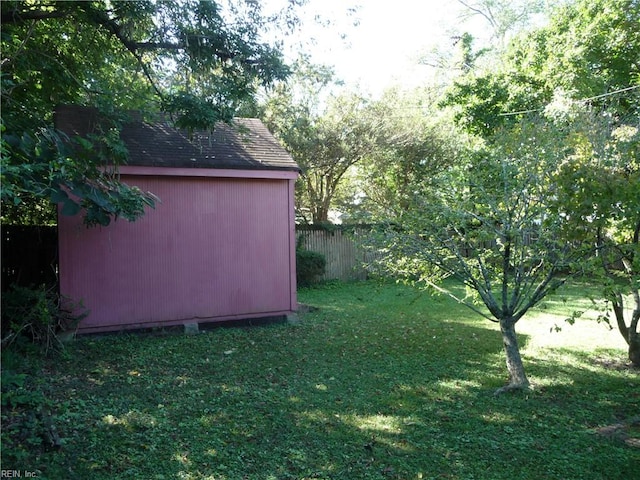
[219, 246]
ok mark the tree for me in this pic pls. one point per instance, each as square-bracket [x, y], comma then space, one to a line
[597, 194]
[486, 104]
[412, 142]
[588, 50]
[197, 61]
[359, 156]
[589, 54]
[487, 224]
[342, 140]
[583, 69]
[325, 142]
[504, 17]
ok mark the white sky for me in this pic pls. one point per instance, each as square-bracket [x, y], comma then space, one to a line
[382, 49]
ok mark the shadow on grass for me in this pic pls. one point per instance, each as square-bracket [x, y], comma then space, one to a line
[388, 390]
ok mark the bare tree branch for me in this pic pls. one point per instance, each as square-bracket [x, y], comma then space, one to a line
[477, 11]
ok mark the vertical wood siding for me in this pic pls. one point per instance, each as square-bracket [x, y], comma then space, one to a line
[212, 249]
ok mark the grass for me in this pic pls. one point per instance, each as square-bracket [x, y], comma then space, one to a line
[380, 382]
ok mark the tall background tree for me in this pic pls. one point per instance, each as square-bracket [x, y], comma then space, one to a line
[583, 70]
[326, 133]
[196, 61]
[359, 157]
[503, 223]
[413, 140]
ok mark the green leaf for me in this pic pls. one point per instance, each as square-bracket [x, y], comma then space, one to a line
[70, 208]
[58, 195]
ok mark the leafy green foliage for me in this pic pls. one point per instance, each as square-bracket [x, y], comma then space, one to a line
[382, 381]
[579, 73]
[488, 225]
[50, 166]
[485, 104]
[37, 316]
[198, 61]
[325, 142]
[412, 142]
[358, 156]
[310, 265]
[588, 49]
[597, 195]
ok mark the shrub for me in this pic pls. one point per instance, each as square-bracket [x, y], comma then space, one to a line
[309, 265]
[36, 315]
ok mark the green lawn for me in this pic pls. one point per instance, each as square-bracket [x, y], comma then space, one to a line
[380, 382]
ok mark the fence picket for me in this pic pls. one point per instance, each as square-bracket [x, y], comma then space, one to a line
[344, 257]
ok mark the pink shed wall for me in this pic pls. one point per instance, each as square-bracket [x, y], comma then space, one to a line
[213, 249]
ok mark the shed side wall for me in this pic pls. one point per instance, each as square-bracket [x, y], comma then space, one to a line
[211, 249]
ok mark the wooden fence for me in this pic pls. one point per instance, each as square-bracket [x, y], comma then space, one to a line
[345, 260]
[29, 256]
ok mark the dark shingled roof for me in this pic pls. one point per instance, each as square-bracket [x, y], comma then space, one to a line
[246, 144]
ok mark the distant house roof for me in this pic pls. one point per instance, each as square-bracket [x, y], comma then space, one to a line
[245, 144]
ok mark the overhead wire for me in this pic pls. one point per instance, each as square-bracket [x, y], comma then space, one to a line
[584, 100]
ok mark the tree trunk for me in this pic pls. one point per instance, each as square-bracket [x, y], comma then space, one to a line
[320, 215]
[517, 378]
[634, 335]
[629, 332]
[634, 348]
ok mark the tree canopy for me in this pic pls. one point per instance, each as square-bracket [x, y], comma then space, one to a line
[326, 134]
[196, 61]
[414, 141]
[581, 73]
[589, 51]
[552, 185]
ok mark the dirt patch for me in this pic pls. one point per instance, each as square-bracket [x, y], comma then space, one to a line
[304, 308]
[627, 432]
[617, 364]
